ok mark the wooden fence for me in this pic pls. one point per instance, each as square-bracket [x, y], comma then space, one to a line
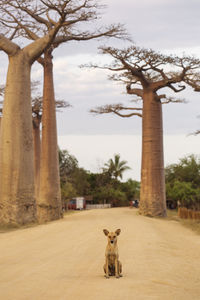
[185, 213]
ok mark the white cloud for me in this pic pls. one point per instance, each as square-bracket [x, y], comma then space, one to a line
[160, 24]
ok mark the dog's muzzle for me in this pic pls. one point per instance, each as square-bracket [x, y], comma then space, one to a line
[112, 242]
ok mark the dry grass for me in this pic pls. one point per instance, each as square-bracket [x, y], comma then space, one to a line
[192, 224]
[71, 211]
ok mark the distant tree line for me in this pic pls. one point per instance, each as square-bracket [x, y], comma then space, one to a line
[183, 183]
[102, 187]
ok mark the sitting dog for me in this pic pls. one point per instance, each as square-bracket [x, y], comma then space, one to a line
[113, 266]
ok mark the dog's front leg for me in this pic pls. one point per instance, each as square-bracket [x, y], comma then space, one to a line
[107, 272]
[116, 269]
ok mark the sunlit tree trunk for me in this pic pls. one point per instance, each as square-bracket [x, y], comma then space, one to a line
[49, 202]
[152, 194]
[17, 193]
[17, 200]
[37, 150]
[0, 133]
[0, 126]
[146, 72]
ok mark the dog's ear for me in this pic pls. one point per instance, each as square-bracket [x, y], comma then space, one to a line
[106, 232]
[118, 231]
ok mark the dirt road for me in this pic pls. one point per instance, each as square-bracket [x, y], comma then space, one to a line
[64, 259]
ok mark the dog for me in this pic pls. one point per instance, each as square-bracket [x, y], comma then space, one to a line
[113, 266]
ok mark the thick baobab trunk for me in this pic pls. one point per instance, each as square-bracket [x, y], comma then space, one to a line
[0, 151]
[17, 201]
[49, 202]
[37, 150]
[0, 144]
[0, 127]
[152, 195]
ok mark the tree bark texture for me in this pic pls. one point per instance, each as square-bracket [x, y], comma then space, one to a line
[0, 136]
[17, 201]
[152, 194]
[49, 205]
[0, 125]
[37, 150]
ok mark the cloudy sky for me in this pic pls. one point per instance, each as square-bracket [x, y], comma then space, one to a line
[169, 26]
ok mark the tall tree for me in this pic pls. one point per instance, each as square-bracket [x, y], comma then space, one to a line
[49, 180]
[16, 158]
[1, 104]
[37, 112]
[78, 13]
[145, 72]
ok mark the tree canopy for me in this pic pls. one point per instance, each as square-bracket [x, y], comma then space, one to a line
[183, 182]
[115, 167]
[139, 69]
[102, 187]
[33, 19]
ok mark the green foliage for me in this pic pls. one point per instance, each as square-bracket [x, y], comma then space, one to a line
[97, 180]
[79, 179]
[115, 167]
[183, 182]
[74, 180]
[131, 188]
[104, 187]
[67, 163]
[184, 192]
[108, 194]
[67, 192]
[188, 170]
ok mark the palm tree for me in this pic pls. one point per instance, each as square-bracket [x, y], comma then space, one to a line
[115, 167]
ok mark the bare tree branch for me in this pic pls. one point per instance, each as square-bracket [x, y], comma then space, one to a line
[9, 47]
[137, 92]
[116, 109]
[140, 68]
[170, 99]
[176, 90]
[48, 12]
[197, 132]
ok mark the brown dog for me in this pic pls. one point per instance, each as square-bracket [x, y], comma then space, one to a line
[113, 266]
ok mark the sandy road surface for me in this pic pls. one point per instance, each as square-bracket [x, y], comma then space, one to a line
[64, 259]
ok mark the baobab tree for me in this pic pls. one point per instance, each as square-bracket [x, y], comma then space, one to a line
[40, 20]
[1, 104]
[37, 109]
[36, 101]
[49, 179]
[145, 72]
[16, 158]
